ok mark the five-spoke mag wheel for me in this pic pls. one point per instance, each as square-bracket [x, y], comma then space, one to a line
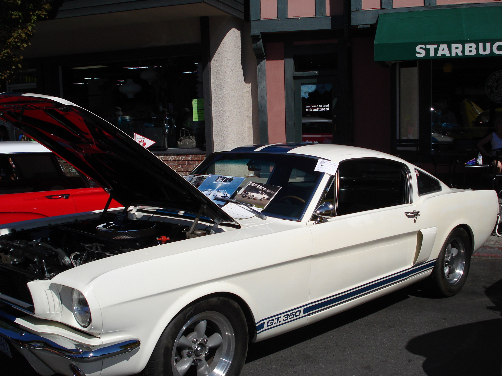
[208, 338]
[454, 261]
[452, 266]
[204, 346]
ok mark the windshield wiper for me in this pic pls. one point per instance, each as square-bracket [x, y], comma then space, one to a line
[245, 206]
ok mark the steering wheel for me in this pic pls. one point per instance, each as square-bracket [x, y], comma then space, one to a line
[293, 197]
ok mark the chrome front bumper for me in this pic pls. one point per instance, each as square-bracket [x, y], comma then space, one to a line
[48, 357]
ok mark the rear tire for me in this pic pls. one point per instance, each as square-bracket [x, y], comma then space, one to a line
[207, 338]
[452, 265]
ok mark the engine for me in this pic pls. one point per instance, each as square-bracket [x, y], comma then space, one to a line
[43, 252]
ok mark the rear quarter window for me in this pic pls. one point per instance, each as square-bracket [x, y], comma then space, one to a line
[426, 183]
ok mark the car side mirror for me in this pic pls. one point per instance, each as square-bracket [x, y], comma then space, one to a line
[326, 209]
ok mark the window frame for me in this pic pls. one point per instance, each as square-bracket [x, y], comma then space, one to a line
[407, 189]
[419, 173]
[283, 161]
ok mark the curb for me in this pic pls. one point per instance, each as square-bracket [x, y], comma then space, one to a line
[492, 248]
[492, 255]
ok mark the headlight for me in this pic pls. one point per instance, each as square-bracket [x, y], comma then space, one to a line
[80, 309]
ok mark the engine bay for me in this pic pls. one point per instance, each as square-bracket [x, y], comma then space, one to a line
[43, 252]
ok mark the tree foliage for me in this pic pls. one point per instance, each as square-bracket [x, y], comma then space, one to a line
[17, 27]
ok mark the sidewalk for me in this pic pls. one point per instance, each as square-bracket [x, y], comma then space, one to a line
[493, 245]
[491, 248]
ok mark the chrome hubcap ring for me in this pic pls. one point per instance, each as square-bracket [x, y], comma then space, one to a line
[454, 261]
[204, 346]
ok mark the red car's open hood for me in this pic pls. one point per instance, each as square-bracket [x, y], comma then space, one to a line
[132, 175]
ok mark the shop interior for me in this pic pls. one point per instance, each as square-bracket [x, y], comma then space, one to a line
[464, 101]
[153, 98]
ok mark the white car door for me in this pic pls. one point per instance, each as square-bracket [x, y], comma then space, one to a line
[374, 239]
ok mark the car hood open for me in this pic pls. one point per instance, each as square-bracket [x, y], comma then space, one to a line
[132, 175]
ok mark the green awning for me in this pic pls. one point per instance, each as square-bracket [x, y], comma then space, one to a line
[439, 34]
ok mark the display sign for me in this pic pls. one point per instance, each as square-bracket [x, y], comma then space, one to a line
[329, 167]
[143, 141]
[198, 109]
[439, 34]
[317, 108]
[445, 50]
[217, 187]
[257, 194]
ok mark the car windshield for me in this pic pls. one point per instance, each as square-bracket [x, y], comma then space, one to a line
[278, 185]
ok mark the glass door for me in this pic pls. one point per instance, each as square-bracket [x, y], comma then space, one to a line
[314, 109]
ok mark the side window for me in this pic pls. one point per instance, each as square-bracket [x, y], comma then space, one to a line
[371, 183]
[426, 183]
[36, 172]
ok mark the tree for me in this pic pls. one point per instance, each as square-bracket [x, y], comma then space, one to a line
[17, 27]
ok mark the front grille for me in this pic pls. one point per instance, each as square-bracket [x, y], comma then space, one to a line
[13, 283]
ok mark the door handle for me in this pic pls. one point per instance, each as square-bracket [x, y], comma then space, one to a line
[414, 215]
[66, 196]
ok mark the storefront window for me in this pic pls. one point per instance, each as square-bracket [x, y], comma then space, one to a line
[153, 98]
[23, 82]
[466, 95]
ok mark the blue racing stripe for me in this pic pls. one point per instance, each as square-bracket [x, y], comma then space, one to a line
[340, 298]
[246, 149]
[364, 290]
[276, 148]
[280, 148]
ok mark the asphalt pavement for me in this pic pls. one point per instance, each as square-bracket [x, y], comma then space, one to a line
[407, 332]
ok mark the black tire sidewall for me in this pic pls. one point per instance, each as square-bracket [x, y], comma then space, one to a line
[160, 361]
[441, 285]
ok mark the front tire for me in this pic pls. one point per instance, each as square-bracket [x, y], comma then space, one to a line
[208, 338]
[453, 263]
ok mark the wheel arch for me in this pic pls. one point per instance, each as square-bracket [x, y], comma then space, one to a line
[445, 234]
[191, 297]
[204, 305]
[246, 309]
[467, 229]
[470, 234]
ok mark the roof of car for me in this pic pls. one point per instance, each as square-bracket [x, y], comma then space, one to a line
[326, 151]
[14, 147]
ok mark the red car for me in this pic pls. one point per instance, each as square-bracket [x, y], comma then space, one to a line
[34, 183]
[317, 130]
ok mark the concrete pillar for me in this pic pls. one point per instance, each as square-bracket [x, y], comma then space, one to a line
[233, 84]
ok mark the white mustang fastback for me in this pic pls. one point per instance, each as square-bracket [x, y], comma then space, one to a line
[256, 242]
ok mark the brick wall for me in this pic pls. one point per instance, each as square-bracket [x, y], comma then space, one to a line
[182, 164]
